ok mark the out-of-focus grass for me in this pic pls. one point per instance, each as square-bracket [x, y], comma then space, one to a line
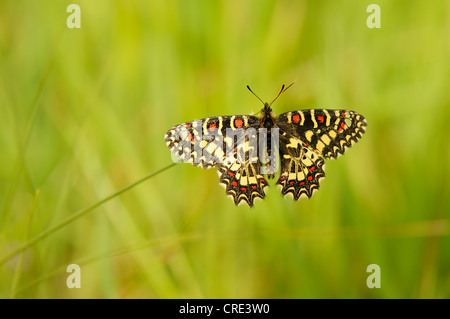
[83, 113]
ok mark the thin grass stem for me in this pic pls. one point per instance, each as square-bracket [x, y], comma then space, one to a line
[78, 215]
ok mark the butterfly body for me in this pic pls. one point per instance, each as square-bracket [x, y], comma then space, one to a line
[294, 143]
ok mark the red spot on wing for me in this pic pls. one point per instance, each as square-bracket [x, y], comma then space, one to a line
[238, 123]
[234, 183]
[262, 180]
[212, 126]
[302, 183]
[231, 174]
[243, 189]
[291, 182]
[343, 113]
[188, 125]
[320, 118]
[254, 186]
[312, 168]
[309, 178]
[342, 125]
[296, 119]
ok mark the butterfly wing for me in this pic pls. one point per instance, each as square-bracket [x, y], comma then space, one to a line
[205, 143]
[301, 168]
[309, 136]
[328, 132]
[243, 182]
[223, 142]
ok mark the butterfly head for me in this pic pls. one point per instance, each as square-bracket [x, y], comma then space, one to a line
[267, 109]
[268, 118]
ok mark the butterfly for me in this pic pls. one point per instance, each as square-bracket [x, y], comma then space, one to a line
[247, 149]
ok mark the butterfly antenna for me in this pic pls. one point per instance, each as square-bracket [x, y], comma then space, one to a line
[283, 89]
[248, 87]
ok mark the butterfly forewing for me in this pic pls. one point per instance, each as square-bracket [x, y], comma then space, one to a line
[205, 142]
[329, 132]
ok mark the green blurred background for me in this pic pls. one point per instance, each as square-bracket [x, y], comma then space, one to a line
[83, 113]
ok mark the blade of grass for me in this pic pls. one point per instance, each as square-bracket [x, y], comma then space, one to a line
[75, 140]
[79, 214]
[168, 241]
[22, 255]
[22, 142]
[433, 228]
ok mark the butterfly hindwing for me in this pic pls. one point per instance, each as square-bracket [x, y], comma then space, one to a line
[329, 132]
[301, 168]
[242, 181]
